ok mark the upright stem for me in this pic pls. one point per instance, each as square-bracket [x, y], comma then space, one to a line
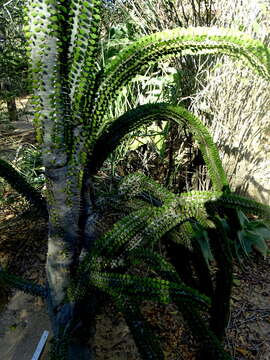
[12, 109]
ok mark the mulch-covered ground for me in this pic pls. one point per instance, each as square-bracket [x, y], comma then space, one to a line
[23, 250]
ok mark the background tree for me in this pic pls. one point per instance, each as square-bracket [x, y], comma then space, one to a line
[13, 58]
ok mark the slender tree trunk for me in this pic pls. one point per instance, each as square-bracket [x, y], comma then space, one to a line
[10, 101]
[12, 109]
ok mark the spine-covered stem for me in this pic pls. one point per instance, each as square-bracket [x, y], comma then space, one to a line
[20, 184]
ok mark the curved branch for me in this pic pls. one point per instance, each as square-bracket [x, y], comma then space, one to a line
[145, 115]
[146, 341]
[147, 288]
[20, 184]
[24, 285]
[192, 41]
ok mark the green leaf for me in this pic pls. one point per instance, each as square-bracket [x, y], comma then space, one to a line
[251, 239]
[202, 237]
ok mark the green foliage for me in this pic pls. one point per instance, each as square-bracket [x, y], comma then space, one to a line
[119, 36]
[29, 162]
[73, 93]
[252, 234]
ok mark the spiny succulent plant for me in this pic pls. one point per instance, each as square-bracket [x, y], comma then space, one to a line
[72, 96]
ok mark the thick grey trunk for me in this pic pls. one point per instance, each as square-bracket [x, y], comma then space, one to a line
[71, 230]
